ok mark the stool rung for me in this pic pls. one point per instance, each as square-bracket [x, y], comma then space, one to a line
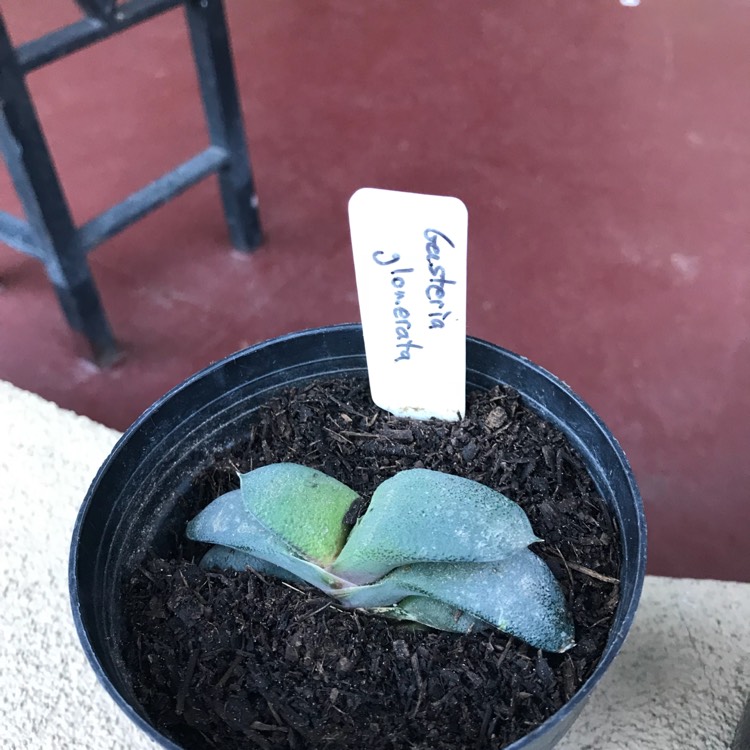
[61, 42]
[17, 233]
[151, 196]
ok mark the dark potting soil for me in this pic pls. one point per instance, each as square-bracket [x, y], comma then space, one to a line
[235, 660]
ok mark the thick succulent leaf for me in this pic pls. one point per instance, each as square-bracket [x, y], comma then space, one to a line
[227, 521]
[303, 506]
[427, 516]
[442, 616]
[226, 558]
[518, 595]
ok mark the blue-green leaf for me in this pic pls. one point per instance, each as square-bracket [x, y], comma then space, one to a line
[427, 516]
[518, 595]
[424, 610]
[226, 558]
[226, 521]
[303, 506]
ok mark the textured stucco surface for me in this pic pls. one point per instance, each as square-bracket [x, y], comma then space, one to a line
[682, 676]
[680, 681]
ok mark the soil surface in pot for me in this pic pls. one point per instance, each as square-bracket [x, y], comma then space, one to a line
[240, 661]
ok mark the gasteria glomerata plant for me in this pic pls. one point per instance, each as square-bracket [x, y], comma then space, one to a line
[433, 548]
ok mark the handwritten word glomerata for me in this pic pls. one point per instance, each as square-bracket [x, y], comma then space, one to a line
[401, 313]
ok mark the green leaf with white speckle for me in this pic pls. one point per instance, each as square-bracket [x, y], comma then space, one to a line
[226, 521]
[518, 595]
[303, 506]
[427, 516]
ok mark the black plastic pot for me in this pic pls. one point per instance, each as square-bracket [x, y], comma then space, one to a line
[132, 503]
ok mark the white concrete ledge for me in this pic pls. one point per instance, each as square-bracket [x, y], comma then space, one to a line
[680, 682]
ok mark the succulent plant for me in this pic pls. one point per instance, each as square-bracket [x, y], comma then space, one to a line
[433, 548]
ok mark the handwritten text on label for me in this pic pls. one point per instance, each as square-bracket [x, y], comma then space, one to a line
[401, 313]
[435, 292]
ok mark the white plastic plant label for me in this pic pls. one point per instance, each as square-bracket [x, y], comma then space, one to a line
[410, 263]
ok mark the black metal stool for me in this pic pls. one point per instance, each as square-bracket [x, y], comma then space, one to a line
[49, 233]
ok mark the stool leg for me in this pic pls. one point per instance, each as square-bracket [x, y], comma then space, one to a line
[213, 58]
[35, 178]
[83, 308]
